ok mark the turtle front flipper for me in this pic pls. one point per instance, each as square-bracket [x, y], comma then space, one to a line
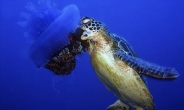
[147, 68]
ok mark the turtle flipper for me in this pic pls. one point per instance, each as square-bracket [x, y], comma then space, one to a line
[118, 105]
[147, 68]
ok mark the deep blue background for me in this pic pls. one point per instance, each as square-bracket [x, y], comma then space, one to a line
[155, 29]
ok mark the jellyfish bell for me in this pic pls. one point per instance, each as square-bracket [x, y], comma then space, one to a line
[39, 18]
[55, 35]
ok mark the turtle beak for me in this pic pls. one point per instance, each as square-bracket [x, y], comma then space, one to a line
[85, 35]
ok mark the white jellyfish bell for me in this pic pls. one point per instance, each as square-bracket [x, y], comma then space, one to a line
[49, 28]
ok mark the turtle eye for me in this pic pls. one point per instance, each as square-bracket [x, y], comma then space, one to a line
[86, 20]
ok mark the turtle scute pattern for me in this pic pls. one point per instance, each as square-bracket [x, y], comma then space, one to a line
[121, 44]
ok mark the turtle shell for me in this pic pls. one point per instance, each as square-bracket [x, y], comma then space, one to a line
[120, 43]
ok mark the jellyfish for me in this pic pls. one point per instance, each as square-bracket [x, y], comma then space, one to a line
[55, 35]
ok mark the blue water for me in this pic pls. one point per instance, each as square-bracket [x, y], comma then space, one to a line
[155, 29]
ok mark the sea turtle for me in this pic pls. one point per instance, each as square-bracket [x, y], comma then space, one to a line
[117, 66]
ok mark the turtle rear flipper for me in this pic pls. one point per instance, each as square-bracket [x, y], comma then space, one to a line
[118, 105]
[147, 68]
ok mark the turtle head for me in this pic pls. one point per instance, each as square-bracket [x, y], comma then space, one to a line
[90, 27]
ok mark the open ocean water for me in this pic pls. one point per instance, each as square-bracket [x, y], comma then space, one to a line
[154, 28]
